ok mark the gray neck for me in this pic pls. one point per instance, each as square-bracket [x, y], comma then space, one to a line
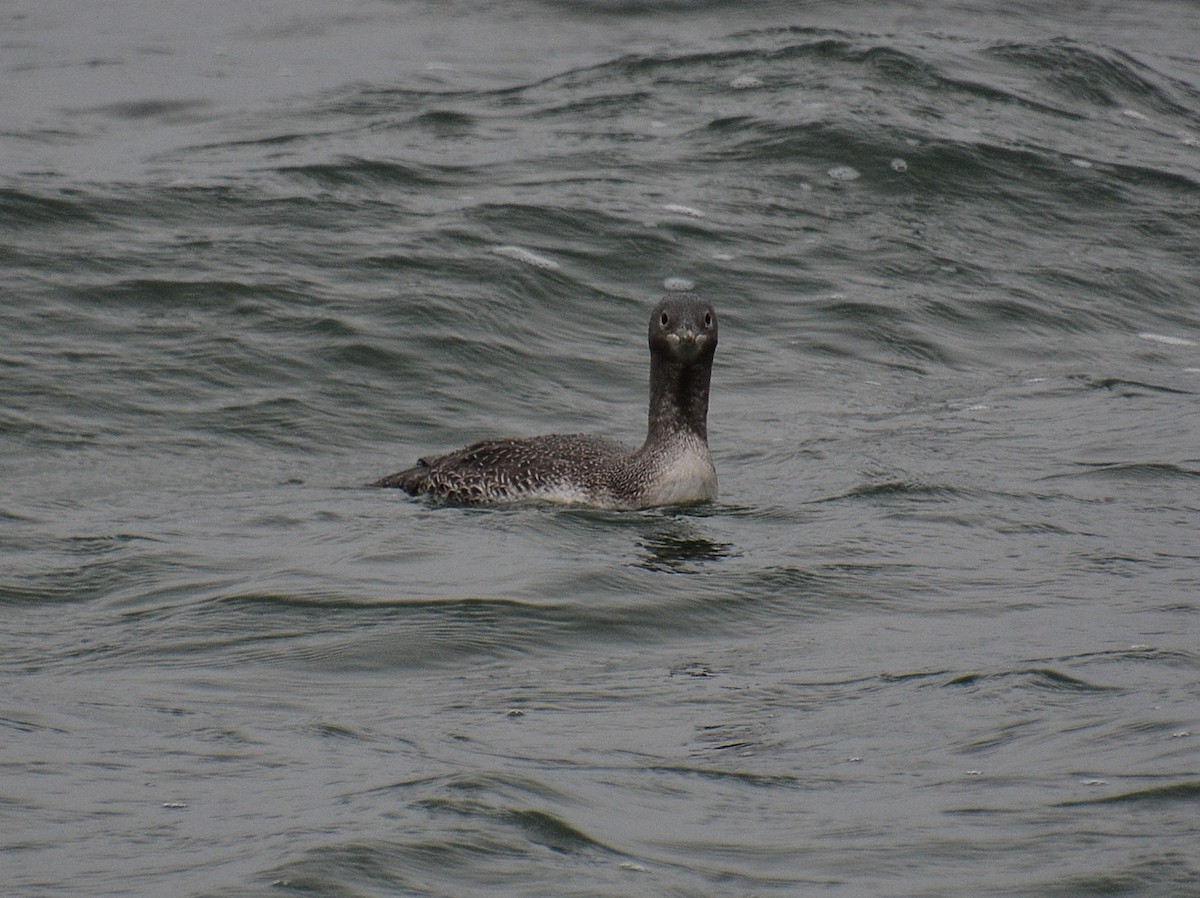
[678, 397]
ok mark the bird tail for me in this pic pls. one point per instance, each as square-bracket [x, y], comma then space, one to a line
[412, 480]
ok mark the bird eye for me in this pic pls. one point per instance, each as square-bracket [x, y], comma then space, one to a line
[665, 320]
[708, 319]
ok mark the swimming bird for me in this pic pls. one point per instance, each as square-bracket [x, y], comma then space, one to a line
[672, 467]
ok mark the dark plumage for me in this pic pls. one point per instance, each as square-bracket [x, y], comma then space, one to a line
[672, 466]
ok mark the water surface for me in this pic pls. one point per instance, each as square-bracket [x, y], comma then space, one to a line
[939, 633]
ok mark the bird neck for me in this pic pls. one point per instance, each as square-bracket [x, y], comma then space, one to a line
[678, 398]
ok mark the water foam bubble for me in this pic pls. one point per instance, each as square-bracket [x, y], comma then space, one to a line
[683, 210]
[520, 254]
[745, 82]
[1169, 340]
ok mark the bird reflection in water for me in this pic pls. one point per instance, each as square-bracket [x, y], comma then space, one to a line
[680, 549]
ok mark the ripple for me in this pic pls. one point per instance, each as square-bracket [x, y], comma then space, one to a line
[1187, 792]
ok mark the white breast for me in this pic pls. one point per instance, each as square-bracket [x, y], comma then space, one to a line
[687, 475]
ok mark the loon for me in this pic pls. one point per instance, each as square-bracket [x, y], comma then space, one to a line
[672, 467]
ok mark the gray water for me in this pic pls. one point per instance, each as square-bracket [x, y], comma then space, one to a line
[939, 635]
